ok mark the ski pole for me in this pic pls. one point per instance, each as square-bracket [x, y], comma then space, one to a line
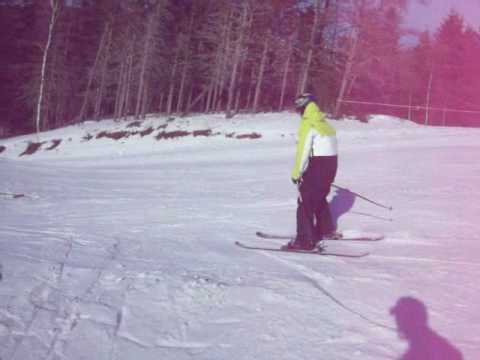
[15, 196]
[363, 197]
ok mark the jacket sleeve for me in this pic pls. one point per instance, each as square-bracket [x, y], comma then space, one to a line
[304, 148]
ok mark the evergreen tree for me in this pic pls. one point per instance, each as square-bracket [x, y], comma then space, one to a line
[449, 50]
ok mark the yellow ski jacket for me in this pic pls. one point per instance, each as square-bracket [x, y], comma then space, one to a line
[315, 138]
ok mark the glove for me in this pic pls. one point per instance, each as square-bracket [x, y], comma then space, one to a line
[296, 181]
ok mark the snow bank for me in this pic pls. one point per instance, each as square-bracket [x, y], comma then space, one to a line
[160, 134]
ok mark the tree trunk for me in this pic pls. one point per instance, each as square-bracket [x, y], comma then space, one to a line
[62, 97]
[143, 110]
[53, 18]
[123, 91]
[317, 22]
[51, 85]
[208, 100]
[118, 97]
[91, 75]
[250, 87]
[172, 82]
[160, 102]
[147, 49]
[103, 76]
[429, 90]
[223, 55]
[263, 63]
[308, 61]
[195, 101]
[285, 73]
[236, 105]
[190, 98]
[347, 72]
[128, 84]
[236, 61]
[186, 66]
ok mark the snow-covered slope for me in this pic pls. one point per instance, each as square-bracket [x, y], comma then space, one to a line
[124, 249]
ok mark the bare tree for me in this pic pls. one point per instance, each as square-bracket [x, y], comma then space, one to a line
[374, 28]
[104, 41]
[103, 78]
[286, 69]
[173, 77]
[261, 71]
[124, 86]
[311, 46]
[239, 48]
[148, 48]
[55, 9]
[347, 77]
[186, 62]
[223, 53]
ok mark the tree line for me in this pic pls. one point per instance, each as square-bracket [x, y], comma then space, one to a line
[65, 61]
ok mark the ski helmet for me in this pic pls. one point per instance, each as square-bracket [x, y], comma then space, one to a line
[303, 99]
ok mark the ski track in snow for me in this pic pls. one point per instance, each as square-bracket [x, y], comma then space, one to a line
[124, 256]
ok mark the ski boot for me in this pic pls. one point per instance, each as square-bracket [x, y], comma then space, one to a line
[334, 235]
[299, 245]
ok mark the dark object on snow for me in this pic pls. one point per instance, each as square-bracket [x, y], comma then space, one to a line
[55, 143]
[207, 132]
[88, 137]
[115, 135]
[249, 136]
[2, 148]
[412, 325]
[171, 134]
[146, 132]
[32, 148]
[134, 124]
[243, 136]
[15, 196]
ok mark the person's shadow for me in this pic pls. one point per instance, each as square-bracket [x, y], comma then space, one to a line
[340, 204]
[412, 325]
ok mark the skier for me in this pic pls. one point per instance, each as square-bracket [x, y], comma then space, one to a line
[314, 172]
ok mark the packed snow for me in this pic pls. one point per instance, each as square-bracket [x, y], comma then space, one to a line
[125, 249]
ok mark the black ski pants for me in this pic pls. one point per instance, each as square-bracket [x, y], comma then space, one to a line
[313, 215]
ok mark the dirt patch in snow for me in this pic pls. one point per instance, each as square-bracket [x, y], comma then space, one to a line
[32, 148]
[55, 143]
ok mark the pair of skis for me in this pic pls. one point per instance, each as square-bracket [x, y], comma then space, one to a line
[317, 251]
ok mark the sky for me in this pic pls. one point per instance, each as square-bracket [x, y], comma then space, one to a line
[430, 15]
